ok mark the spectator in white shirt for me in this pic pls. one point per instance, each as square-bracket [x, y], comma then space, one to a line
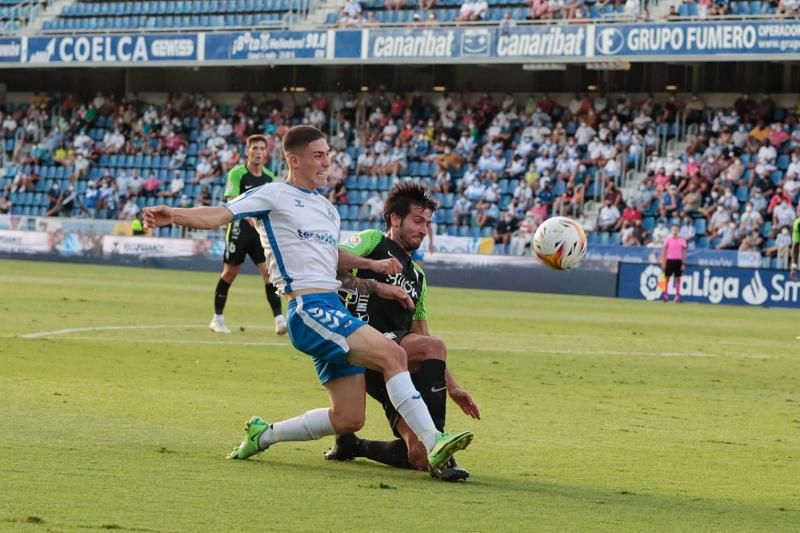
[224, 129]
[178, 159]
[373, 207]
[783, 214]
[204, 171]
[113, 142]
[366, 163]
[129, 210]
[608, 217]
[135, 183]
[175, 186]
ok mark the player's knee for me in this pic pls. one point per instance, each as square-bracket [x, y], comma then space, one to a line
[347, 422]
[393, 359]
[435, 348]
[229, 273]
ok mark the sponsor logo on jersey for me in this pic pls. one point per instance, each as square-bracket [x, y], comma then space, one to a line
[320, 236]
[401, 281]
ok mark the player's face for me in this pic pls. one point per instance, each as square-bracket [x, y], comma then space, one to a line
[312, 164]
[257, 153]
[414, 227]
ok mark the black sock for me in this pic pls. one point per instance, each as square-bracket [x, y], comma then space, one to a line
[273, 299]
[392, 453]
[221, 296]
[431, 384]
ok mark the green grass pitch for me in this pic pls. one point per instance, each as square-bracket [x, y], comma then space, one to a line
[598, 414]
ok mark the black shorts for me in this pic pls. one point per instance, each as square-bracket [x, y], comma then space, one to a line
[674, 268]
[376, 387]
[242, 240]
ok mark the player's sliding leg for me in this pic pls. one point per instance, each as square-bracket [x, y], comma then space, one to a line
[427, 355]
[371, 349]
[273, 299]
[346, 415]
[349, 446]
[229, 273]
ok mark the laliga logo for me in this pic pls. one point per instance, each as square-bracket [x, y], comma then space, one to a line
[609, 41]
[713, 289]
[649, 282]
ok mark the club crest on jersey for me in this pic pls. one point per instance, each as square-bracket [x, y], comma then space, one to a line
[298, 203]
[332, 214]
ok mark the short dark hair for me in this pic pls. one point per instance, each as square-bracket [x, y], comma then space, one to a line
[300, 137]
[258, 138]
[405, 195]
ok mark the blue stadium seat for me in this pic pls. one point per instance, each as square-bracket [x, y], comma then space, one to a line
[448, 200]
[700, 226]
[742, 194]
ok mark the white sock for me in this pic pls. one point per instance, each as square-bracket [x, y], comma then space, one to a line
[218, 318]
[278, 317]
[311, 425]
[408, 402]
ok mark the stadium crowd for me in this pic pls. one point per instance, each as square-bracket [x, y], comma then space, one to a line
[497, 165]
[426, 13]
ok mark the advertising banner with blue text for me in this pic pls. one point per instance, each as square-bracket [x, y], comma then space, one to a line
[99, 49]
[697, 39]
[551, 42]
[10, 50]
[267, 45]
[712, 285]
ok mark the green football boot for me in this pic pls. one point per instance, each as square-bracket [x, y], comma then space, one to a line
[249, 446]
[446, 445]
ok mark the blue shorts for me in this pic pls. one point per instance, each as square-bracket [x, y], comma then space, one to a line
[319, 325]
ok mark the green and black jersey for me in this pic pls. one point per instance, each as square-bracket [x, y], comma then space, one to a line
[240, 180]
[385, 315]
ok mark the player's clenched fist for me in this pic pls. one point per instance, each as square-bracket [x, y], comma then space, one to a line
[388, 266]
[155, 217]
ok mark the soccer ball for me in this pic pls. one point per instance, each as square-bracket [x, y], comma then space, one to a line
[560, 243]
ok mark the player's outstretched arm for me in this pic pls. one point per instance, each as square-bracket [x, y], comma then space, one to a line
[195, 217]
[795, 252]
[348, 261]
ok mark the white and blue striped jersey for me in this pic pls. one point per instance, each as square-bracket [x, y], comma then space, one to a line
[299, 230]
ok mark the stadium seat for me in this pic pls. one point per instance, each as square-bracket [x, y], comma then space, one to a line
[700, 226]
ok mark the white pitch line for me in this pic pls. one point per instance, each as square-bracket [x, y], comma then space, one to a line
[59, 334]
[41, 334]
[453, 348]
[170, 341]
